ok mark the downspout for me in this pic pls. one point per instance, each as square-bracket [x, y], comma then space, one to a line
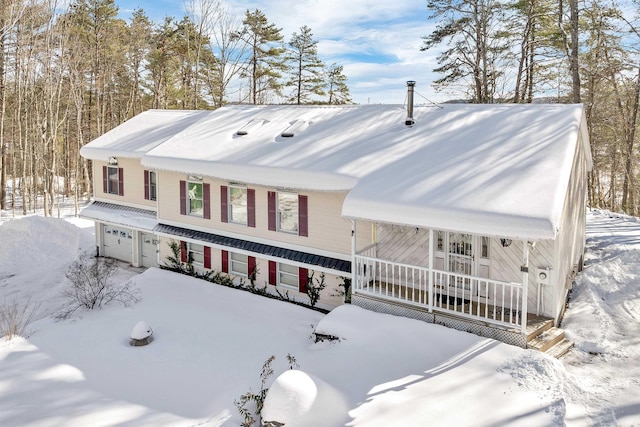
[525, 284]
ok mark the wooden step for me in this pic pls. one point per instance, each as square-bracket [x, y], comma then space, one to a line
[560, 349]
[537, 325]
[547, 339]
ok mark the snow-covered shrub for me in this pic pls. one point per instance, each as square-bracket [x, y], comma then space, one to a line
[92, 286]
[250, 404]
[15, 317]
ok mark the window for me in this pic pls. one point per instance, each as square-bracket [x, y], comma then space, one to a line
[238, 204]
[194, 194]
[288, 275]
[287, 213]
[112, 180]
[195, 253]
[195, 198]
[239, 264]
[484, 253]
[150, 185]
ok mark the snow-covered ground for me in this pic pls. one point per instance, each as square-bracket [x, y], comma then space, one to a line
[211, 342]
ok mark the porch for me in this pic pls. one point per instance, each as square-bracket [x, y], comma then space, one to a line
[459, 295]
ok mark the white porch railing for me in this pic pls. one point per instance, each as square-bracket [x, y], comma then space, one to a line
[461, 295]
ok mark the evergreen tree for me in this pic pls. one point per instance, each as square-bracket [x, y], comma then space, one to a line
[264, 64]
[336, 84]
[306, 68]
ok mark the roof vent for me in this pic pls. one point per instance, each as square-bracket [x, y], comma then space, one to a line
[253, 125]
[297, 126]
[410, 121]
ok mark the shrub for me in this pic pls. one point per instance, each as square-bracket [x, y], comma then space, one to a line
[315, 287]
[92, 286]
[15, 317]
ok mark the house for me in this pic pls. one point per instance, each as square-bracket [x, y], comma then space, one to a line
[472, 216]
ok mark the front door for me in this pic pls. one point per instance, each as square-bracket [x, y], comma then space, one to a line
[465, 255]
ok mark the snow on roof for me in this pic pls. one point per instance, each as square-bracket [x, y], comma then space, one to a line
[140, 134]
[497, 169]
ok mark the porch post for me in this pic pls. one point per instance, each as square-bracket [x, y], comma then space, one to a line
[525, 284]
[430, 273]
[354, 278]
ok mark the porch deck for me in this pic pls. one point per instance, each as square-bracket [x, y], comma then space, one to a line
[478, 298]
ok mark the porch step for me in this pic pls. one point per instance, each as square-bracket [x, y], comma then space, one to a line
[537, 325]
[551, 341]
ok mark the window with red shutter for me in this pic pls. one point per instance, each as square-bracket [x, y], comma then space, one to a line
[271, 210]
[251, 207]
[105, 177]
[183, 251]
[273, 273]
[303, 226]
[183, 197]
[207, 257]
[146, 185]
[303, 278]
[225, 262]
[206, 201]
[251, 264]
[120, 182]
[224, 203]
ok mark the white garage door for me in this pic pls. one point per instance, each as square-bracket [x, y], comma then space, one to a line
[118, 242]
[149, 250]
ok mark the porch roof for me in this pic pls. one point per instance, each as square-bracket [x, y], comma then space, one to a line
[335, 264]
[140, 219]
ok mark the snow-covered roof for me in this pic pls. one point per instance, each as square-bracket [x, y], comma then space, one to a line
[498, 169]
[137, 136]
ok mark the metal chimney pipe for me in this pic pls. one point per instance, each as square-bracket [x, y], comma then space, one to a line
[410, 85]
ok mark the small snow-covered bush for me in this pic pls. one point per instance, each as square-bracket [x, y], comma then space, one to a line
[255, 401]
[15, 317]
[92, 286]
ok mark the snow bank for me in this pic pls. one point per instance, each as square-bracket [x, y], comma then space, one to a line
[297, 398]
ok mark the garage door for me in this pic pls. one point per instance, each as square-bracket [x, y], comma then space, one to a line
[149, 250]
[118, 242]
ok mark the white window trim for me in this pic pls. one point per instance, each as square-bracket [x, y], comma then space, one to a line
[189, 212]
[110, 190]
[191, 250]
[230, 205]
[232, 261]
[297, 276]
[278, 222]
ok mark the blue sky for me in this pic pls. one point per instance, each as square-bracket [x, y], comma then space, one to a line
[377, 41]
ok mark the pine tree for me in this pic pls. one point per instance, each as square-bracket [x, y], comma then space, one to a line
[336, 85]
[264, 64]
[306, 68]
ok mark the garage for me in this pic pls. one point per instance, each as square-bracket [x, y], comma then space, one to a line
[149, 250]
[118, 242]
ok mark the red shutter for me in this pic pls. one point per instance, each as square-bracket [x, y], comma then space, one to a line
[271, 208]
[303, 221]
[251, 207]
[146, 185]
[303, 278]
[251, 266]
[183, 197]
[224, 203]
[225, 261]
[206, 200]
[183, 251]
[120, 182]
[207, 257]
[105, 177]
[273, 272]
